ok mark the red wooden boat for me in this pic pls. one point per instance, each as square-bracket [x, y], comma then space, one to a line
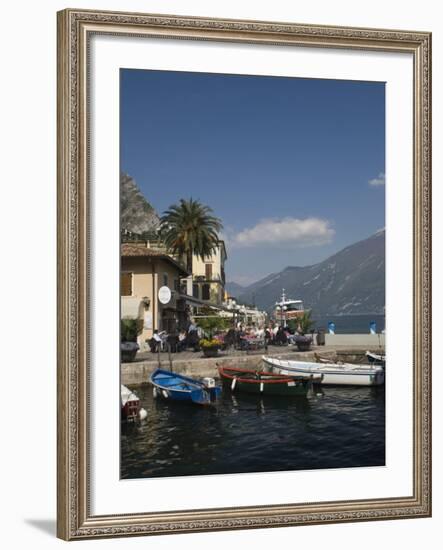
[263, 383]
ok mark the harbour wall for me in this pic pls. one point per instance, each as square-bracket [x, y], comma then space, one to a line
[372, 341]
[138, 372]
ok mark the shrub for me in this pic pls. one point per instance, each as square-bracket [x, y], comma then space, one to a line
[211, 324]
[130, 329]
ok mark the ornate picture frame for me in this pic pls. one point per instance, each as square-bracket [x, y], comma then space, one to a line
[75, 29]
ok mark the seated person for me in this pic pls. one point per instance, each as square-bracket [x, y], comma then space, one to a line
[230, 338]
[193, 340]
[155, 342]
[281, 338]
[182, 342]
[172, 340]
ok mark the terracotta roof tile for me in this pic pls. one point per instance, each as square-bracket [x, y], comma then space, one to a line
[140, 250]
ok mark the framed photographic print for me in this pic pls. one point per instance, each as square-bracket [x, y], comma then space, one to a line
[244, 274]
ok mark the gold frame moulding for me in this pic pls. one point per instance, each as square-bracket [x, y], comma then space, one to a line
[75, 29]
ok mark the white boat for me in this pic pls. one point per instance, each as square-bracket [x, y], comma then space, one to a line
[332, 373]
[287, 309]
[377, 359]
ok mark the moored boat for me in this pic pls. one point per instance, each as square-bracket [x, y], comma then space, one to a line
[176, 387]
[345, 374]
[375, 358]
[263, 383]
[287, 309]
[130, 404]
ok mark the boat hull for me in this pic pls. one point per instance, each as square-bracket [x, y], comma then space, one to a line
[263, 383]
[130, 404]
[332, 374]
[176, 387]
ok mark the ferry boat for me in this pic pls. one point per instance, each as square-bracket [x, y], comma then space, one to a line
[287, 309]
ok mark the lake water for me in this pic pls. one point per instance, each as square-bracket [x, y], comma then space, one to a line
[351, 324]
[341, 428]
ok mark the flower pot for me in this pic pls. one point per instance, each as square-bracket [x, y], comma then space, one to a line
[303, 343]
[128, 351]
[210, 352]
[304, 347]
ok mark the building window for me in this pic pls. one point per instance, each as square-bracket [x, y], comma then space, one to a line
[206, 294]
[195, 291]
[176, 285]
[208, 271]
[126, 284]
[165, 279]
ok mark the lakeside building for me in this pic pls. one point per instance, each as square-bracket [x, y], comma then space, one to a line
[245, 315]
[144, 271]
[208, 278]
[146, 266]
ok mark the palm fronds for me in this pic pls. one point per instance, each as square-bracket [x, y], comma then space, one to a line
[189, 228]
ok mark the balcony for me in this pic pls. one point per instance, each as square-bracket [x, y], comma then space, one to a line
[203, 279]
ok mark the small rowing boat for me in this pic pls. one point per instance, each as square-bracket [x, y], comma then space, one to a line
[176, 387]
[345, 374]
[264, 383]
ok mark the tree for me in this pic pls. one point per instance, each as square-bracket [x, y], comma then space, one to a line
[190, 228]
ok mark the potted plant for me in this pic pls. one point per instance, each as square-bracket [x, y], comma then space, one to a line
[210, 347]
[303, 342]
[305, 323]
[129, 330]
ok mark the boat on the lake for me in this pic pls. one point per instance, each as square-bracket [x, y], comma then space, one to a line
[287, 309]
[375, 358]
[176, 387]
[130, 404]
[345, 374]
[263, 383]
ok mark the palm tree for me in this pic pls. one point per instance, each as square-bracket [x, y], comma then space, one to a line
[189, 228]
[305, 323]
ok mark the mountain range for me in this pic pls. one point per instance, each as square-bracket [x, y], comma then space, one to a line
[352, 281]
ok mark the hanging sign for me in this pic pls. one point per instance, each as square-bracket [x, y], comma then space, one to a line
[164, 295]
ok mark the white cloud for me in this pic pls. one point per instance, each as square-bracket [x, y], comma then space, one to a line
[379, 180]
[287, 232]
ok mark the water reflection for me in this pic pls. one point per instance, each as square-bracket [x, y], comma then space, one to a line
[333, 427]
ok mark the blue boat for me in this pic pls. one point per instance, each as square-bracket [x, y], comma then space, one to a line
[176, 387]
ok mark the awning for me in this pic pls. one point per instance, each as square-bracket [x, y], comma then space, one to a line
[197, 302]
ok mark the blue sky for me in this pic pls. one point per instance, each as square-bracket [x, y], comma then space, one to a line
[293, 167]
